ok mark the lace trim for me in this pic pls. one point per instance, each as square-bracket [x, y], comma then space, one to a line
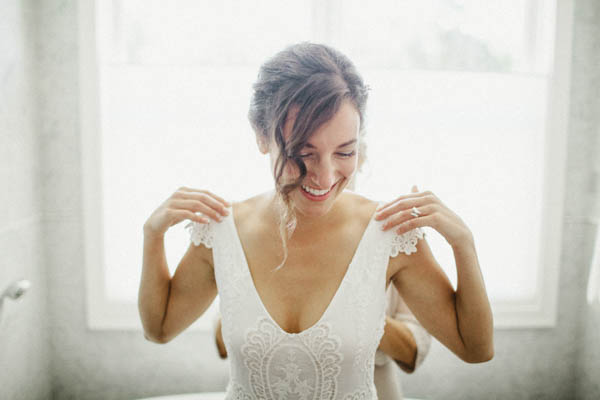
[279, 364]
[359, 395]
[237, 392]
[406, 242]
[201, 233]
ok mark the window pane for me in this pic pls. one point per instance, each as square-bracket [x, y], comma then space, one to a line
[465, 137]
[447, 112]
[502, 36]
[192, 32]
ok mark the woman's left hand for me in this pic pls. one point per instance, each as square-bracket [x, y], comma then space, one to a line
[434, 213]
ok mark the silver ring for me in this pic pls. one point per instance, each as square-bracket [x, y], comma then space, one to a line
[415, 213]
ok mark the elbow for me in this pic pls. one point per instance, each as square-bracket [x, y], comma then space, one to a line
[409, 369]
[160, 339]
[479, 357]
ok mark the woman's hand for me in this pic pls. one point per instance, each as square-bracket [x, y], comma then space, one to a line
[183, 204]
[433, 213]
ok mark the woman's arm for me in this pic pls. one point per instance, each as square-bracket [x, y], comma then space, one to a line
[219, 339]
[168, 305]
[461, 319]
[154, 287]
[398, 343]
[404, 339]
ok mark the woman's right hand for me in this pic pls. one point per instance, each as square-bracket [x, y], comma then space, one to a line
[183, 204]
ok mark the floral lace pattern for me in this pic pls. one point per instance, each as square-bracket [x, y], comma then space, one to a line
[201, 233]
[237, 392]
[406, 242]
[359, 395]
[302, 366]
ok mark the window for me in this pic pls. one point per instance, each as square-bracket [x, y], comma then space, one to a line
[467, 100]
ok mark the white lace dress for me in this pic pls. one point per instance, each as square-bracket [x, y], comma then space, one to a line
[334, 358]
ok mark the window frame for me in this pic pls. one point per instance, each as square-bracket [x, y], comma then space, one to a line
[540, 312]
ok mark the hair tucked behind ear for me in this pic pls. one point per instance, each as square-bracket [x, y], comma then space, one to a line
[312, 80]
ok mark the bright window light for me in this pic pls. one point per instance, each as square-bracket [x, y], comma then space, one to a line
[458, 106]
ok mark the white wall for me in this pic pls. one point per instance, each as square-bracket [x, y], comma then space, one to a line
[585, 129]
[25, 352]
[529, 363]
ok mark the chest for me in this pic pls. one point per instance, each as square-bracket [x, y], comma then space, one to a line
[299, 293]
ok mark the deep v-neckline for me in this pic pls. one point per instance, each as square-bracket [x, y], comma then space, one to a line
[246, 268]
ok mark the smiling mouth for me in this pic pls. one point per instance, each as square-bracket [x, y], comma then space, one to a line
[316, 192]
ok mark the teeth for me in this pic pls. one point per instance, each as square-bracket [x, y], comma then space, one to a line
[315, 192]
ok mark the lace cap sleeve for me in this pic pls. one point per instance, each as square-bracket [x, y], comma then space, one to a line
[406, 242]
[201, 233]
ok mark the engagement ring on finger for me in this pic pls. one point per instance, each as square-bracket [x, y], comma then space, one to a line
[414, 212]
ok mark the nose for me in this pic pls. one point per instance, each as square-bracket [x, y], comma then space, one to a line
[322, 174]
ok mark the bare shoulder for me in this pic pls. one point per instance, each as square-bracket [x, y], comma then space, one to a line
[357, 204]
[245, 212]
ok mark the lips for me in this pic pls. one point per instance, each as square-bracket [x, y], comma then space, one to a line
[311, 190]
[322, 197]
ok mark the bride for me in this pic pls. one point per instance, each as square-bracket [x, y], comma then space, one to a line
[302, 270]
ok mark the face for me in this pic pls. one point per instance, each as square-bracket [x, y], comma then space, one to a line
[331, 158]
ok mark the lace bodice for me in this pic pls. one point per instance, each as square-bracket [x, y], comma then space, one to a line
[334, 358]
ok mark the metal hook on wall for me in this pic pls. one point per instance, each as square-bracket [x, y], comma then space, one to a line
[14, 291]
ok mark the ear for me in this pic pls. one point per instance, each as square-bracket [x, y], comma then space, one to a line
[261, 142]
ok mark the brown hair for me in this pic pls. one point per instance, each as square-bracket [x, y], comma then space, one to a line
[312, 80]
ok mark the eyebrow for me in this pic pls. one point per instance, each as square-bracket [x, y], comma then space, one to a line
[341, 145]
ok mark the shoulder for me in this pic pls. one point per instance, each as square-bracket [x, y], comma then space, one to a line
[354, 203]
[248, 213]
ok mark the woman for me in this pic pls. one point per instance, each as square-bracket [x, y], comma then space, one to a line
[302, 270]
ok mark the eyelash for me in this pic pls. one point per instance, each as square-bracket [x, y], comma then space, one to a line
[345, 155]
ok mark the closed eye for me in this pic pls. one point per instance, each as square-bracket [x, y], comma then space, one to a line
[344, 155]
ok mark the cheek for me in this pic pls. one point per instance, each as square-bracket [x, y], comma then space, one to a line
[350, 167]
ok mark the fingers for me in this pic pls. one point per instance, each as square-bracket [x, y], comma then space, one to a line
[211, 200]
[197, 206]
[404, 216]
[404, 197]
[429, 220]
[406, 203]
[185, 214]
[209, 193]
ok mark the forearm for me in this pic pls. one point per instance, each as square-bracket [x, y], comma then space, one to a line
[154, 287]
[398, 343]
[219, 340]
[474, 314]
